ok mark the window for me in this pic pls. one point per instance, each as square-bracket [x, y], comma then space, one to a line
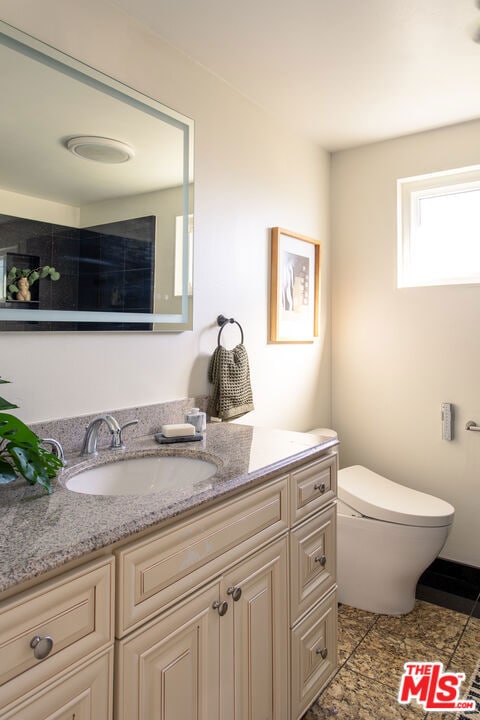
[439, 228]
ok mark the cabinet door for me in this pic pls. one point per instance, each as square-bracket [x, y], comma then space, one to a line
[84, 694]
[258, 657]
[169, 670]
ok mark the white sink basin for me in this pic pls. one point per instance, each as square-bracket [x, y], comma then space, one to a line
[142, 476]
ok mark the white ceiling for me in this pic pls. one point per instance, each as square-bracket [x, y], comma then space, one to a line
[344, 72]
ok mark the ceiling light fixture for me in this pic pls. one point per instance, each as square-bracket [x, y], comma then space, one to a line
[100, 149]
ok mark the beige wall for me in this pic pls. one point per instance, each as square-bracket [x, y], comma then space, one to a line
[397, 354]
[251, 174]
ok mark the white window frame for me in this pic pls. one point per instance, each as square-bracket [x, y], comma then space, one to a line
[409, 192]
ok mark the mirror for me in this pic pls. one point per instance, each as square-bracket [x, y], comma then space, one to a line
[96, 198]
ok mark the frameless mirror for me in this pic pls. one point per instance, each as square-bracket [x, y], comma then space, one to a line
[96, 198]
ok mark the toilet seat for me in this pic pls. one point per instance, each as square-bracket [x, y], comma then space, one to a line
[375, 497]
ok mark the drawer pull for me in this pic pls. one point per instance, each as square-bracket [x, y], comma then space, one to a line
[322, 559]
[235, 592]
[323, 652]
[41, 646]
[222, 607]
[320, 486]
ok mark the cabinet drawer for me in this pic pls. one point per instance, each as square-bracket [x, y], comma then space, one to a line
[312, 487]
[155, 572]
[314, 654]
[74, 610]
[312, 561]
[84, 694]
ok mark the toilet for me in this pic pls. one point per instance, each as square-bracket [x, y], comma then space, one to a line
[387, 535]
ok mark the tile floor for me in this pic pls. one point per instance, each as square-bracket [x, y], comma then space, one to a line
[373, 648]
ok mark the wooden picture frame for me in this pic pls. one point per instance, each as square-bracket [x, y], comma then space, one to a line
[294, 287]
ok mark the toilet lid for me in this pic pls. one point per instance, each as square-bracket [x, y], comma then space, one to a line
[376, 497]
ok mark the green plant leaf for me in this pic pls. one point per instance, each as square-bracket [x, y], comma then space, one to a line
[5, 405]
[33, 277]
[55, 275]
[12, 289]
[7, 473]
[25, 454]
[44, 271]
[12, 427]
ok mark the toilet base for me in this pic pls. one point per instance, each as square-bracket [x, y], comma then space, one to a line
[379, 563]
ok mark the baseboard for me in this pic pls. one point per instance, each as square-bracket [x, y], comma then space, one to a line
[451, 584]
[450, 576]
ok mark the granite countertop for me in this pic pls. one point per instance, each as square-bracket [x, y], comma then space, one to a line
[40, 532]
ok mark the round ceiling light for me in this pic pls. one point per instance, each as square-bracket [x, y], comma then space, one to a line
[100, 149]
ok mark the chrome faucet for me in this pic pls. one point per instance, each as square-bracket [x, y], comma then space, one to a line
[57, 449]
[91, 434]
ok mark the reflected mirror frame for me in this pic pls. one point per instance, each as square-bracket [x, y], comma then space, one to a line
[161, 322]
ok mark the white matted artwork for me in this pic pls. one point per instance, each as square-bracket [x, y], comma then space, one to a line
[294, 287]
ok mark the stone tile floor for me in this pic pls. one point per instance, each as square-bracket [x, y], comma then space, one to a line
[372, 650]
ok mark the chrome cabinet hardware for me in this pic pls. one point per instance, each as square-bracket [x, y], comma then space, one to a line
[323, 652]
[322, 559]
[41, 646]
[235, 592]
[222, 607]
[320, 486]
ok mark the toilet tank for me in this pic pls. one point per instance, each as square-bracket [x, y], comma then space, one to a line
[325, 432]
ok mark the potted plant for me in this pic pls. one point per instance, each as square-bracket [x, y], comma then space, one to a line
[20, 280]
[21, 452]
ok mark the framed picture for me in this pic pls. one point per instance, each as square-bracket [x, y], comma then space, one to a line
[294, 287]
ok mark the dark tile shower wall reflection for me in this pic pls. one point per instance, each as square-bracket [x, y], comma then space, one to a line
[106, 268]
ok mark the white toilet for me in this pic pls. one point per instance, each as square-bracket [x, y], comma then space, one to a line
[387, 535]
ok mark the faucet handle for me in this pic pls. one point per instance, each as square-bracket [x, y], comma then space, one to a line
[117, 439]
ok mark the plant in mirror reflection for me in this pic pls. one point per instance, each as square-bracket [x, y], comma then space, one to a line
[20, 280]
[21, 451]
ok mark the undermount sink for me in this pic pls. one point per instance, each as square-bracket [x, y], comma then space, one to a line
[142, 476]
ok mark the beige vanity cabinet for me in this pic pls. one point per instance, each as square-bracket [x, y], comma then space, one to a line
[212, 589]
[213, 656]
[313, 596]
[232, 613]
[56, 647]
[227, 613]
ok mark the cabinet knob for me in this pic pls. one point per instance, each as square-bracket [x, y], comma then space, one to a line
[323, 652]
[41, 646]
[322, 559]
[235, 592]
[320, 486]
[222, 607]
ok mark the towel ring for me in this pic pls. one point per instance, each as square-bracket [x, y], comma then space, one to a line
[222, 321]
